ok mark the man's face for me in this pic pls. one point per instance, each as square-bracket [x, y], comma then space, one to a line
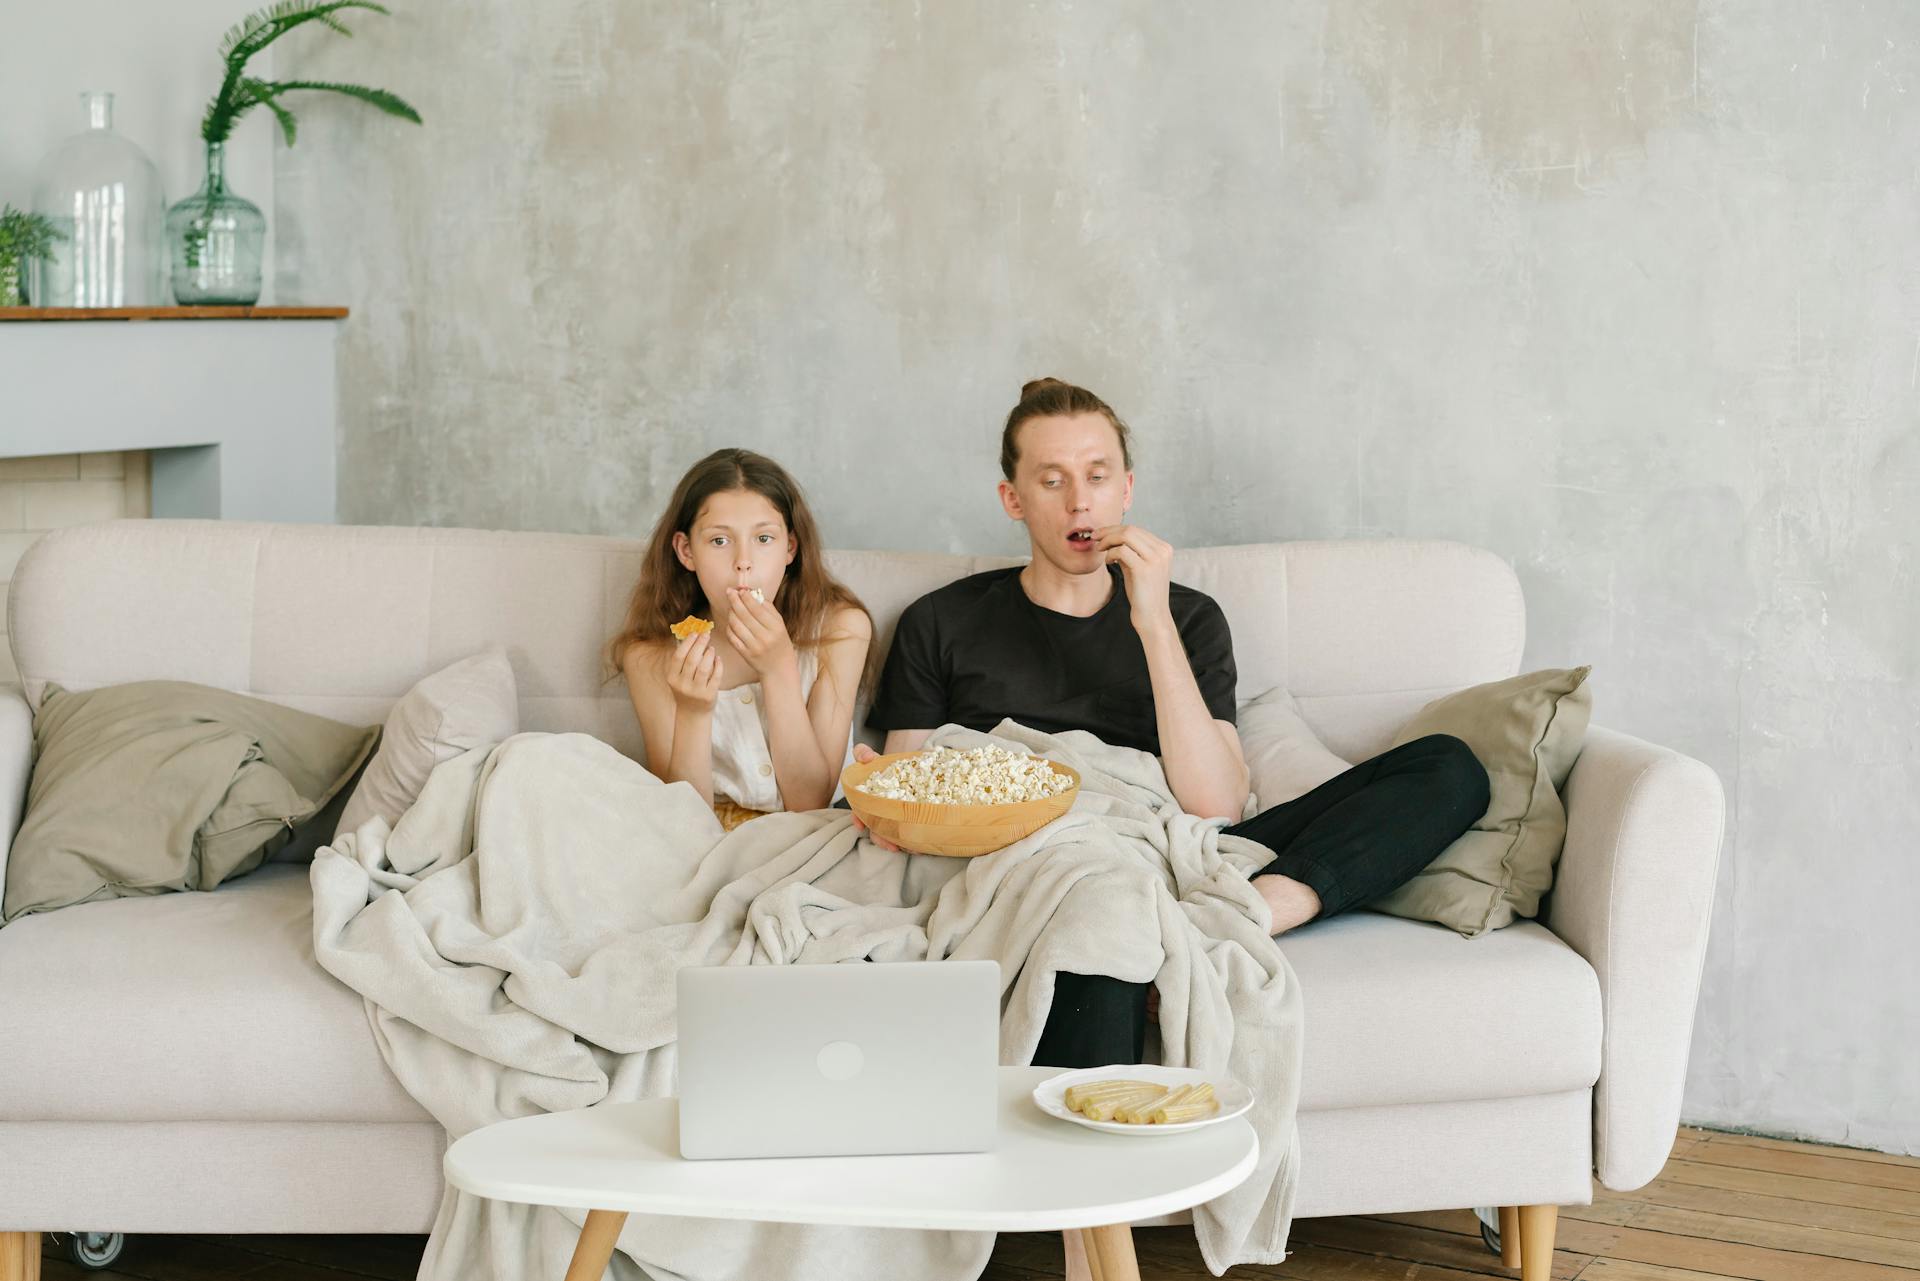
[1070, 481]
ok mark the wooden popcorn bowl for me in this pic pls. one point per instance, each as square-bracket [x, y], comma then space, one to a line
[956, 831]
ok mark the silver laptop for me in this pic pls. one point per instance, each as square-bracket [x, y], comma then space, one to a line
[856, 1059]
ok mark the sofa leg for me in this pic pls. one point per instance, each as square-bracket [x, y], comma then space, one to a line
[19, 1256]
[1537, 1226]
[1509, 1236]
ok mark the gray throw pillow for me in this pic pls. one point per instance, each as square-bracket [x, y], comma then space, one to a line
[1527, 731]
[164, 785]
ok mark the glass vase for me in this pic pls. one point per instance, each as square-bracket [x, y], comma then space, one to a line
[216, 240]
[103, 194]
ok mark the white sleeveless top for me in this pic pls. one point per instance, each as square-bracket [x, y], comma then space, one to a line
[742, 759]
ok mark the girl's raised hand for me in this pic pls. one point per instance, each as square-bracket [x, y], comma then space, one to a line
[693, 673]
[760, 634]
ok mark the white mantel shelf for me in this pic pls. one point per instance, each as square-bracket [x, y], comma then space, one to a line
[173, 313]
[238, 413]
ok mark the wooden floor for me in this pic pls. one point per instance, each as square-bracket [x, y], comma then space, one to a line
[1724, 1206]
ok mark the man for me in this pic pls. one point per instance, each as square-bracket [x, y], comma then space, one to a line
[1092, 634]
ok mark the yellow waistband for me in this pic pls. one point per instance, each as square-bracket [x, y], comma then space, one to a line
[732, 815]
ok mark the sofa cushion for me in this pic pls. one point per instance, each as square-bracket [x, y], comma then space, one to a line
[1397, 1012]
[186, 1007]
[1401, 1011]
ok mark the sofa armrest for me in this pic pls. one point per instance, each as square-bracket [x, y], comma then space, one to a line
[16, 762]
[1634, 896]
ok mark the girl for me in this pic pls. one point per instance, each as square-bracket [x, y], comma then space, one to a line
[757, 711]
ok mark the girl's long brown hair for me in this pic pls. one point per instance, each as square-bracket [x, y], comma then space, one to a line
[668, 591]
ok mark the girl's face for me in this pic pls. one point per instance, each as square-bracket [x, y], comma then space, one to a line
[737, 540]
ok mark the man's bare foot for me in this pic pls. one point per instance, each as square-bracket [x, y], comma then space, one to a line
[1291, 902]
[1078, 1269]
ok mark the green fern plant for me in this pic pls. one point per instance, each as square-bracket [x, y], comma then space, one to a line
[23, 237]
[241, 93]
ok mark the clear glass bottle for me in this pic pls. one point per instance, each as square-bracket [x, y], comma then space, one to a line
[104, 194]
[217, 240]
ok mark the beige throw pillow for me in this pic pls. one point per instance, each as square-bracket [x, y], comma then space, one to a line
[1527, 732]
[1285, 758]
[165, 785]
[469, 704]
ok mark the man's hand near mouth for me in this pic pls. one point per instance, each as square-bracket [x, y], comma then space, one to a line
[1146, 563]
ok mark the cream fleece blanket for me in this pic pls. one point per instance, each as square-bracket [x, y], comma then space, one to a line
[517, 934]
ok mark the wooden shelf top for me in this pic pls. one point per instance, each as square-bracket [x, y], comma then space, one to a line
[173, 313]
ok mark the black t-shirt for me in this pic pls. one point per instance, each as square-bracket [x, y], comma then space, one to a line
[979, 650]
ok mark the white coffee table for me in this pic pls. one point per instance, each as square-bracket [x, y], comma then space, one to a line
[1045, 1175]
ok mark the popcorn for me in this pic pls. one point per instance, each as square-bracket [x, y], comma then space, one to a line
[974, 776]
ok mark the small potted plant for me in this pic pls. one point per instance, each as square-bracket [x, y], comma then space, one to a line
[218, 236]
[23, 238]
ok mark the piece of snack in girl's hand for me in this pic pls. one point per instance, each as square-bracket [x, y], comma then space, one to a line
[691, 626]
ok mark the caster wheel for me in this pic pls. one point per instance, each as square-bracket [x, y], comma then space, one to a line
[1489, 1226]
[96, 1251]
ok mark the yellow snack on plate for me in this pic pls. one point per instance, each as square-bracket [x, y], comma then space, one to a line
[1107, 1108]
[1155, 1110]
[1194, 1102]
[1142, 1102]
[1091, 1090]
[1139, 1113]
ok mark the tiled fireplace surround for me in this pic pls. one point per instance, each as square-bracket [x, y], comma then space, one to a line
[53, 491]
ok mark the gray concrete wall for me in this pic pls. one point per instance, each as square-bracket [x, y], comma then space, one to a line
[1627, 293]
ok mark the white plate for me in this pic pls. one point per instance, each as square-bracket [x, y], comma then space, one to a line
[1234, 1097]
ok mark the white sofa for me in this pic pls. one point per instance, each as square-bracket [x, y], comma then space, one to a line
[179, 1063]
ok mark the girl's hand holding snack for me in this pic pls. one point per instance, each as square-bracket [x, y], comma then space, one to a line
[693, 673]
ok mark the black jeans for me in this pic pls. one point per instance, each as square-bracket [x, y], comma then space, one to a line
[1351, 839]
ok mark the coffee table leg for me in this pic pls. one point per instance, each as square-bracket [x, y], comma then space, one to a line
[1110, 1253]
[591, 1256]
[1083, 1243]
